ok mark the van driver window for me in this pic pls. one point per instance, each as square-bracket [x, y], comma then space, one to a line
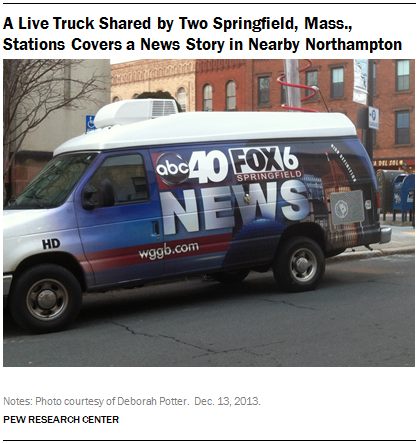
[127, 176]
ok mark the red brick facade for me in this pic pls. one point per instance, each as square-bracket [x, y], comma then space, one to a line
[218, 73]
[390, 101]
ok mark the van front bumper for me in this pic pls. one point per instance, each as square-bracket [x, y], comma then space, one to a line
[385, 234]
[7, 282]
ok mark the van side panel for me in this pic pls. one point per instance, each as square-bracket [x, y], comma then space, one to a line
[122, 242]
[223, 206]
[242, 196]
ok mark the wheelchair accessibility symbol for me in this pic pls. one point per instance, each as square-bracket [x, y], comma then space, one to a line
[90, 123]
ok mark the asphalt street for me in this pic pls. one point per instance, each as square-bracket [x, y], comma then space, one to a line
[363, 314]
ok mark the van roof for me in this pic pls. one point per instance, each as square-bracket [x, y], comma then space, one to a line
[213, 127]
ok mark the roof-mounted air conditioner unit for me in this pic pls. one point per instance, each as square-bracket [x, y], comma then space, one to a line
[126, 112]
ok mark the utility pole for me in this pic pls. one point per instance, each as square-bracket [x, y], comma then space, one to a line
[363, 113]
[291, 67]
[370, 94]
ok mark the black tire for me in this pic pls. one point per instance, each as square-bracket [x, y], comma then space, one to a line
[299, 265]
[231, 277]
[45, 298]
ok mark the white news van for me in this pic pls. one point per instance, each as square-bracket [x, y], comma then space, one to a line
[143, 199]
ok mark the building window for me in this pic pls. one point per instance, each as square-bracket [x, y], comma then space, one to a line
[402, 128]
[311, 80]
[115, 99]
[181, 98]
[231, 99]
[135, 96]
[207, 98]
[337, 82]
[283, 97]
[263, 91]
[402, 75]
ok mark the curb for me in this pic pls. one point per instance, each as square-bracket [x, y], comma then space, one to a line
[396, 223]
[357, 255]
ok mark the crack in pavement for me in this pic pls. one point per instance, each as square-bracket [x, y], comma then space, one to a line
[130, 330]
[208, 351]
[405, 352]
[244, 350]
[265, 356]
[286, 303]
[159, 335]
[187, 344]
[247, 351]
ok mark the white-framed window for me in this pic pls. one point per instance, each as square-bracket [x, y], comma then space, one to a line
[311, 80]
[182, 99]
[402, 131]
[231, 98]
[263, 91]
[402, 75]
[207, 98]
[337, 82]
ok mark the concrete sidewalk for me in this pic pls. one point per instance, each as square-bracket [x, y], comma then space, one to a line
[402, 242]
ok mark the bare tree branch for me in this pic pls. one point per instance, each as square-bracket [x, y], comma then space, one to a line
[33, 89]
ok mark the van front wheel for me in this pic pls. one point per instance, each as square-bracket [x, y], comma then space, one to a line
[45, 298]
[299, 265]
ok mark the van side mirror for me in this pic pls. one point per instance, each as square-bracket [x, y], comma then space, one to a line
[102, 196]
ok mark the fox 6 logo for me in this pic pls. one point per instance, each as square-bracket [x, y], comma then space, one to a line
[172, 169]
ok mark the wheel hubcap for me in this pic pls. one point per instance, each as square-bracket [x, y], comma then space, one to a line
[47, 299]
[303, 265]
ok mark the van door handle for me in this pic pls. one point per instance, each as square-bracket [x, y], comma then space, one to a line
[156, 228]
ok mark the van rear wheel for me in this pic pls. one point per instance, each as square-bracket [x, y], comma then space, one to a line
[45, 298]
[299, 265]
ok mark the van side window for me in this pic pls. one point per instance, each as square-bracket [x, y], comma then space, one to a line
[128, 177]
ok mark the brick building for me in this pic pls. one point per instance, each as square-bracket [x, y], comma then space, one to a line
[223, 85]
[174, 76]
[251, 85]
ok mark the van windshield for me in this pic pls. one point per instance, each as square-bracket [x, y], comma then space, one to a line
[51, 187]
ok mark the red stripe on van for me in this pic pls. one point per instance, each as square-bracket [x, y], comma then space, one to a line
[154, 252]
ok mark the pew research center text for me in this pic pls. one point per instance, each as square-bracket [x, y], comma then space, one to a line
[55, 410]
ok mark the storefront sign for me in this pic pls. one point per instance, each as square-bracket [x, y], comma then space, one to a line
[386, 163]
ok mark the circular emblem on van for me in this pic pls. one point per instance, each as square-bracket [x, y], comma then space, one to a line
[172, 169]
[341, 209]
